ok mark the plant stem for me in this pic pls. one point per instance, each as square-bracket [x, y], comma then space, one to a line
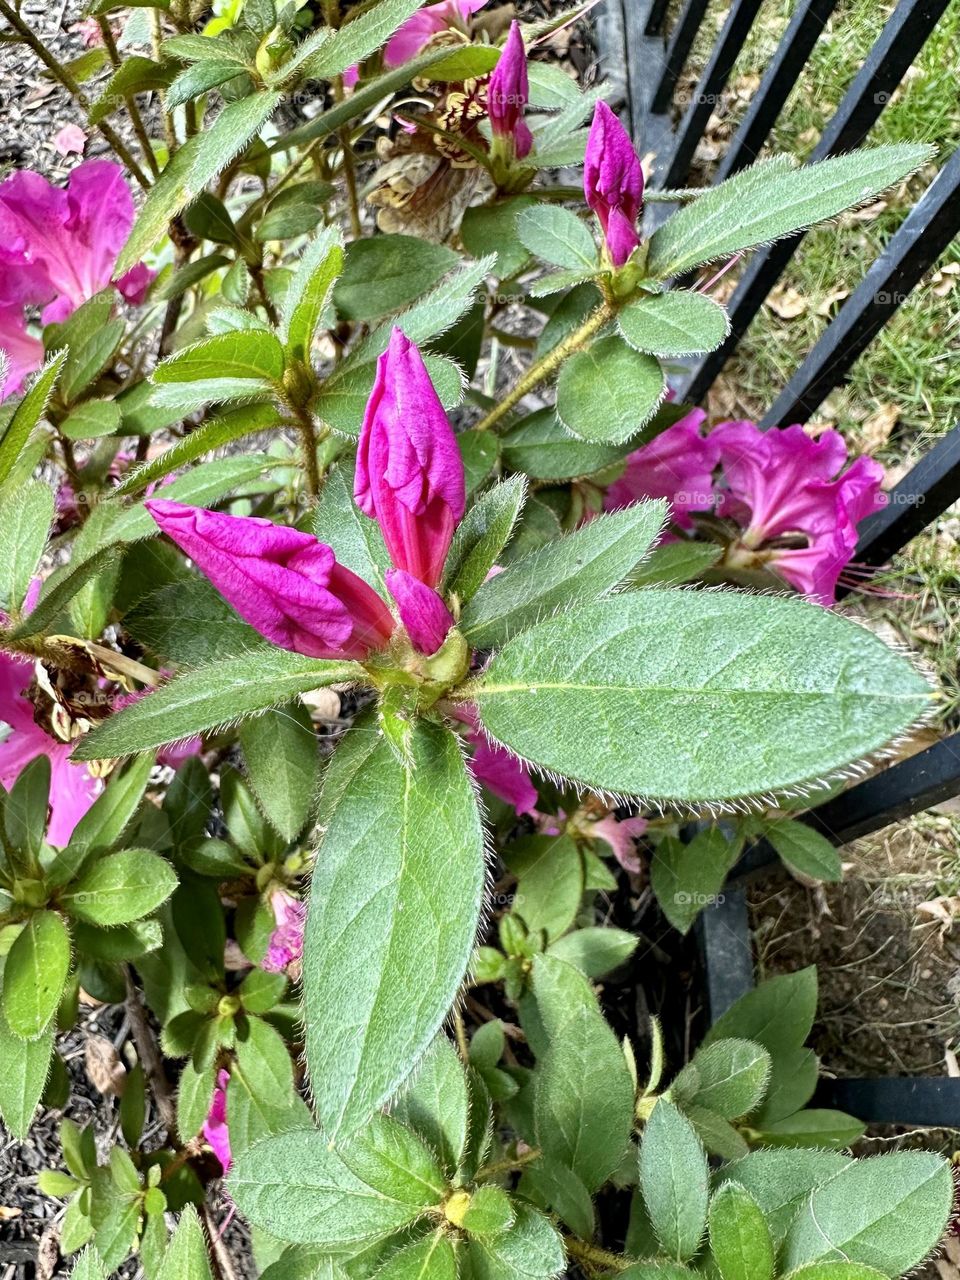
[219, 1254]
[256, 275]
[130, 100]
[543, 368]
[149, 1055]
[156, 39]
[64, 77]
[508, 1166]
[460, 1031]
[308, 438]
[595, 1258]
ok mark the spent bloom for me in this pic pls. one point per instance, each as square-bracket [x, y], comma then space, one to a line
[507, 96]
[215, 1126]
[613, 183]
[286, 940]
[796, 507]
[58, 247]
[409, 474]
[427, 22]
[70, 140]
[283, 582]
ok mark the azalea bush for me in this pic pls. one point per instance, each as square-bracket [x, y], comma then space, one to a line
[356, 661]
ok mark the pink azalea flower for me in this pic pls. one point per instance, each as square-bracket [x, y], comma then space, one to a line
[613, 183]
[619, 834]
[283, 582]
[215, 1126]
[782, 483]
[351, 76]
[70, 140]
[424, 25]
[72, 788]
[409, 475]
[422, 611]
[498, 769]
[677, 464]
[89, 31]
[507, 96]
[286, 941]
[24, 354]
[59, 248]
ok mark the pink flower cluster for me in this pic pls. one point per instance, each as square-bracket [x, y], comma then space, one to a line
[292, 589]
[795, 506]
[431, 20]
[58, 247]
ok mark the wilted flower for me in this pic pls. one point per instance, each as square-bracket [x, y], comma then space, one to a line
[286, 941]
[409, 475]
[215, 1126]
[613, 183]
[508, 94]
[283, 582]
[424, 25]
[70, 140]
[58, 247]
[619, 834]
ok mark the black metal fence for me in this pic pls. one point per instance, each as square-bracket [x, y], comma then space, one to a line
[636, 38]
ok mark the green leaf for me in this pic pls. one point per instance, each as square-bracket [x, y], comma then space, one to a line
[812, 1127]
[887, 1212]
[552, 1186]
[464, 62]
[186, 1256]
[673, 1175]
[727, 1076]
[489, 1213]
[678, 323]
[673, 564]
[556, 235]
[197, 79]
[211, 696]
[122, 887]
[343, 396]
[105, 821]
[264, 1060]
[297, 1186]
[398, 839]
[356, 40]
[835, 1271]
[189, 623]
[91, 419]
[688, 876]
[28, 413]
[596, 695]
[310, 291]
[718, 1136]
[777, 1014]
[803, 851]
[280, 752]
[35, 973]
[579, 567]
[88, 1266]
[25, 809]
[781, 1181]
[432, 1258]
[543, 449]
[435, 1104]
[244, 354]
[134, 75]
[585, 1093]
[549, 871]
[479, 451]
[89, 358]
[793, 1080]
[739, 1237]
[23, 538]
[772, 199]
[57, 592]
[492, 229]
[608, 391]
[197, 162]
[383, 273]
[26, 1065]
[594, 950]
[114, 946]
[481, 536]
[194, 1098]
[530, 1250]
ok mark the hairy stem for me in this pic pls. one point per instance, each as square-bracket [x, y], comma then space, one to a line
[63, 76]
[148, 1052]
[548, 365]
[130, 100]
[156, 38]
[593, 1257]
[308, 439]
[509, 1166]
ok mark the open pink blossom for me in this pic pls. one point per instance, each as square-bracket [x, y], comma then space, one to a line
[677, 464]
[72, 788]
[424, 25]
[409, 475]
[286, 941]
[215, 1126]
[619, 834]
[24, 353]
[613, 183]
[507, 96]
[70, 140]
[496, 768]
[285, 583]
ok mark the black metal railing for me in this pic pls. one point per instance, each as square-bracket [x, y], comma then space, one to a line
[654, 59]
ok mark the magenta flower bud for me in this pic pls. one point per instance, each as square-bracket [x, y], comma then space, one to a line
[613, 183]
[423, 613]
[508, 94]
[285, 583]
[409, 474]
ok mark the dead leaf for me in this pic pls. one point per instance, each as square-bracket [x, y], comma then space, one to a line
[829, 303]
[103, 1065]
[8, 1213]
[787, 303]
[48, 1252]
[943, 911]
[875, 432]
[322, 703]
